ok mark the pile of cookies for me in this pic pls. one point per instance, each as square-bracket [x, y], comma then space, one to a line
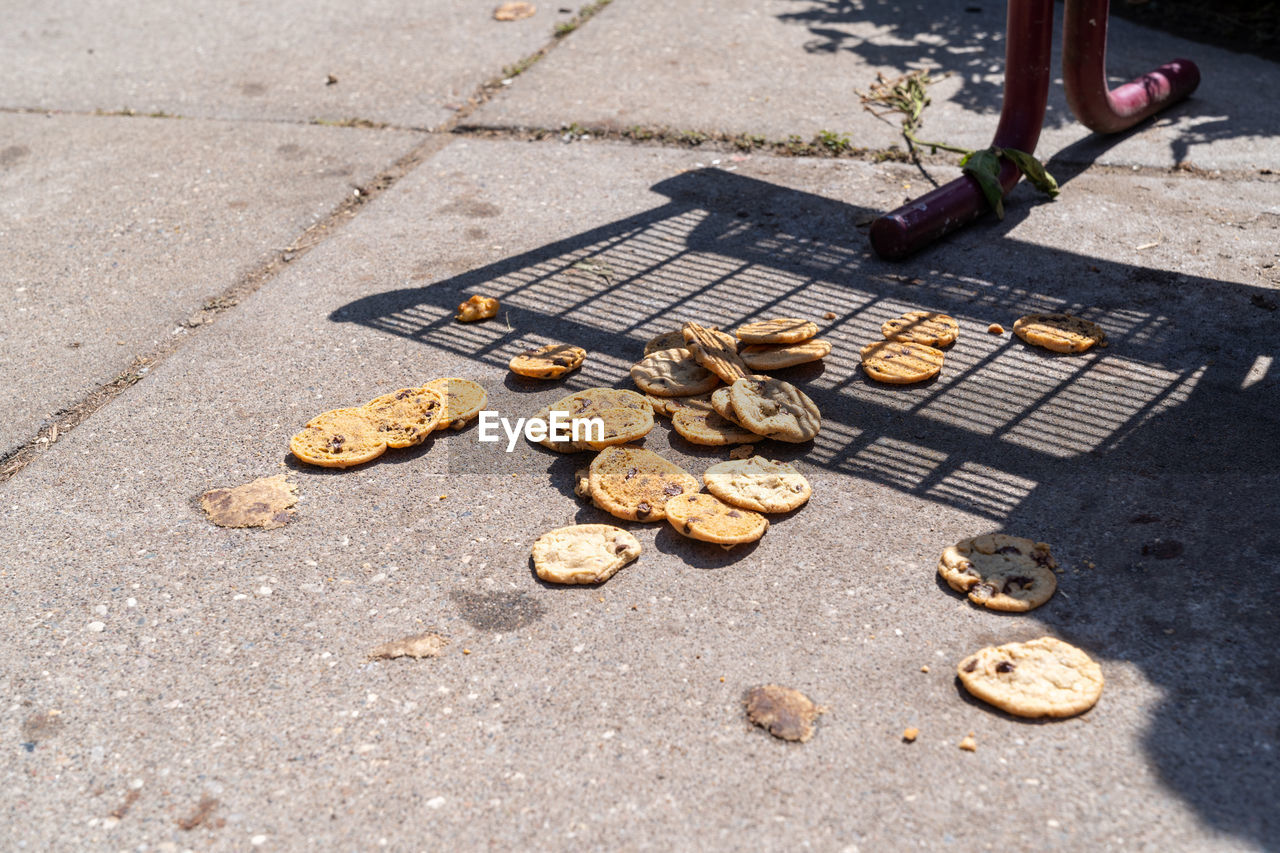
[698, 376]
[685, 382]
[636, 484]
[340, 438]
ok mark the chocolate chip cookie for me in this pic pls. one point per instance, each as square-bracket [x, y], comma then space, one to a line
[758, 484]
[922, 327]
[636, 484]
[706, 517]
[672, 373]
[1059, 332]
[583, 553]
[549, 362]
[1000, 572]
[776, 409]
[339, 439]
[780, 330]
[1038, 678]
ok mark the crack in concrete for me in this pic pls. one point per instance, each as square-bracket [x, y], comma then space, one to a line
[70, 417]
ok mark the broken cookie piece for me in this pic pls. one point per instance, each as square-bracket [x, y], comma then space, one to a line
[417, 646]
[266, 502]
[783, 712]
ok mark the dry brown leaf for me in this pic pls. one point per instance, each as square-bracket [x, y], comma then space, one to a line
[426, 645]
[785, 713]
[266, 502]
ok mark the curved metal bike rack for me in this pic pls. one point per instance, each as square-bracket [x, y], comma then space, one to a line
[1029, 30]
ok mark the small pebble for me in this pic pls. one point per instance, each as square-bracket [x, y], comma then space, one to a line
[97, 627]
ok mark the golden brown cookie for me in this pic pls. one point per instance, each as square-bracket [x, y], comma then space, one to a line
[758, 484]
[586, 404]
[636, 484]
[922, 327]
[706, 517]
[1001, 572]
[621, 424]
[897, 363]
[715, 350]
[463, 400]
[776, 409]
[780, 330]
[339, 439]
[672, 373]
[1059, 332]
[667, 340]
[708, 428]
[406, 417]
[583, 553]
[477, 308]
[549, 362]
[1038, 678]
[779, 356]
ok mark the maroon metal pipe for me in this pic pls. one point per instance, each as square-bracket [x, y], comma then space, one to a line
[1029, 34]
[1084, 65]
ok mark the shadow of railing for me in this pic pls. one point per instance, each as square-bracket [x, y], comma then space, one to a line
[1174, 421]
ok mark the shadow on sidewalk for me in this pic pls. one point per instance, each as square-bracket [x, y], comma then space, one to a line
[1154, 458]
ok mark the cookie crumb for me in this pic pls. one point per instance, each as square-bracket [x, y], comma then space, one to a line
[924, 668]
[969, 744]
[418, 646]
[466, 651]
[910, 735]
[830, 315]
[995, 329]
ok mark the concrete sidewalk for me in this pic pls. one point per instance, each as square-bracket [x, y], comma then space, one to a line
[174, 685]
